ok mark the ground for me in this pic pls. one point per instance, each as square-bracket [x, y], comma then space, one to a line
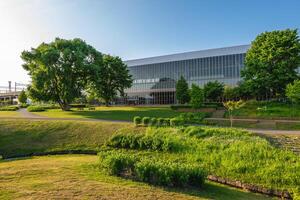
[9, 114]
[77, 177]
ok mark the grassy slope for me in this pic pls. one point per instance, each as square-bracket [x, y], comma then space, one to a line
[19, 137]
[76, 177]
[114, 113]
[271, 110]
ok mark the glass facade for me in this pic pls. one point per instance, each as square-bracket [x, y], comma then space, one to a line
[155, 83]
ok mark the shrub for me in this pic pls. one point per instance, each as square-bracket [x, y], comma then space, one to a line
[154, 139]
[167, 121]
[176, 122]
[137, 120]
[146, 121]
[24, 105]
[160, 121]
[77, 105]
[9, 108]
[153, 121]
[35, 109]
[157, 172]
[176, 107]
[169, 173]
[115, 163]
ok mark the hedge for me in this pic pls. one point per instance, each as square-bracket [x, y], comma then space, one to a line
[9, 108]
[157, 172]
[35, 109]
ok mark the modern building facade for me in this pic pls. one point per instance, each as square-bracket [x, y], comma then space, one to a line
[154, 78]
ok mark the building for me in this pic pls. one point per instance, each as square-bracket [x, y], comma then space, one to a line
[154, 78]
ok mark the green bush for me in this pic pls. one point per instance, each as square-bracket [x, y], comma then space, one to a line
[167, 121]
[176, 122]
[35, 109]
[146, 121]
[164, 173]
[176, 107]
[169, 173]
[9, 108]
[160, 121]
[153, 121]
[78, 106]
[154, 139]
[193, 118]
[116, 163]
[137, 120]
[24, 105]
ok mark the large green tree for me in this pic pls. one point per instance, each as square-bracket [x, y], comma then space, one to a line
[197, 96]
[182, 91]
[60, 70]
[213, 91]
[271, 62]
[113, 78]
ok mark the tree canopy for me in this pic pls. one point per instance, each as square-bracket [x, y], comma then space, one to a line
[182, 91]
[197, 96]
[60, 70]
[112, 78]
[271, 62]
[213, 91]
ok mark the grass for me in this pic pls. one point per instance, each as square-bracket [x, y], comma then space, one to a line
[9, 114]
[229, 153]
[77, 177]
[114, 113]
[24, 137]
[268, 110]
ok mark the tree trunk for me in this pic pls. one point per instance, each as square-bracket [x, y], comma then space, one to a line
[230, 114]
[65, 106]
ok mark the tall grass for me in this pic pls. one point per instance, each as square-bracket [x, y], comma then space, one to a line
[230, 153]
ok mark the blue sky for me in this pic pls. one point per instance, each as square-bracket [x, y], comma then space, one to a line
[136, 28]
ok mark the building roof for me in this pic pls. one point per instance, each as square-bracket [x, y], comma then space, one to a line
[189, 55]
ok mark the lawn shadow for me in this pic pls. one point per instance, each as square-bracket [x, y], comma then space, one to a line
[212, 190]
[124, 115]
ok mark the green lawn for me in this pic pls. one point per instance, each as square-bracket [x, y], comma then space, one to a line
[78, 177]
[9, 114]
[268, 110]
[113, 113]
[23, 137]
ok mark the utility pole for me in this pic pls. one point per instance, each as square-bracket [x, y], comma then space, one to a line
[9, 86]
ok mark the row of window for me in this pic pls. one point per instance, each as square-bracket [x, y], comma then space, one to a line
[199, 71]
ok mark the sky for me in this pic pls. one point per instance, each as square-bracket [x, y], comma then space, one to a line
[136, 28]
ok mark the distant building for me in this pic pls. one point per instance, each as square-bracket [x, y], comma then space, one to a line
[154, 78]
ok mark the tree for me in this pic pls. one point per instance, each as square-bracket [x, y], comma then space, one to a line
[231, 106]
[230, 92]
[213, 91]
[271, 62]
[197, 96]
[60, 70]
[293, 91]
[22, 98]
[113, 78]
[182, 91]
